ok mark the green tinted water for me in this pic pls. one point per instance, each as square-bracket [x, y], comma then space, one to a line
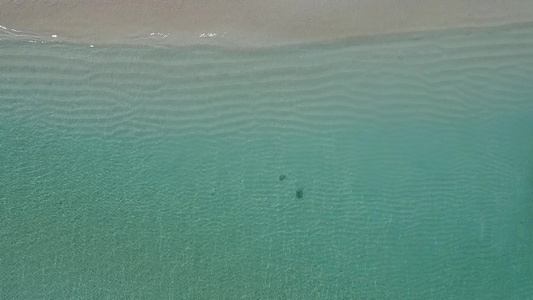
[131, 172]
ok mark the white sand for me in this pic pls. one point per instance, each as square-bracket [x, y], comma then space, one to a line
[249, 22]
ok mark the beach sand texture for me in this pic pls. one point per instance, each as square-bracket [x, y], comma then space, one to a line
[254, 22]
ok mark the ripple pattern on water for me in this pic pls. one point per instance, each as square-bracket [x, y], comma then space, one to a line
[141, 172]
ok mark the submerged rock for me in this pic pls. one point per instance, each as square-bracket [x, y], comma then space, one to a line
[299, 193]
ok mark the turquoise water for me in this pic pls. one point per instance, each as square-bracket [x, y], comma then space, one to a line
[135, 172]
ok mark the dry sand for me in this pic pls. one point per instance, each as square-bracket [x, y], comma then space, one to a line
[249, 22]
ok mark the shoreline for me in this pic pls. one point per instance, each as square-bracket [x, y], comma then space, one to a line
[249, 24]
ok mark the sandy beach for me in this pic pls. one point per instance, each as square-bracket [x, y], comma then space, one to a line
[253, 22]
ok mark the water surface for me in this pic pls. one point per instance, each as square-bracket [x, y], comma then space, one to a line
[134, 172]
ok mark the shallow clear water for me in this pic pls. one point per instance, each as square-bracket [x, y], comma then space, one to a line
[132, 172]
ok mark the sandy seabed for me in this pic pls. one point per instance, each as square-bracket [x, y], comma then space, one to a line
[251, 22]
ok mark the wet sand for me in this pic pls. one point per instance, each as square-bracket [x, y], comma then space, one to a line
[252, 22]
